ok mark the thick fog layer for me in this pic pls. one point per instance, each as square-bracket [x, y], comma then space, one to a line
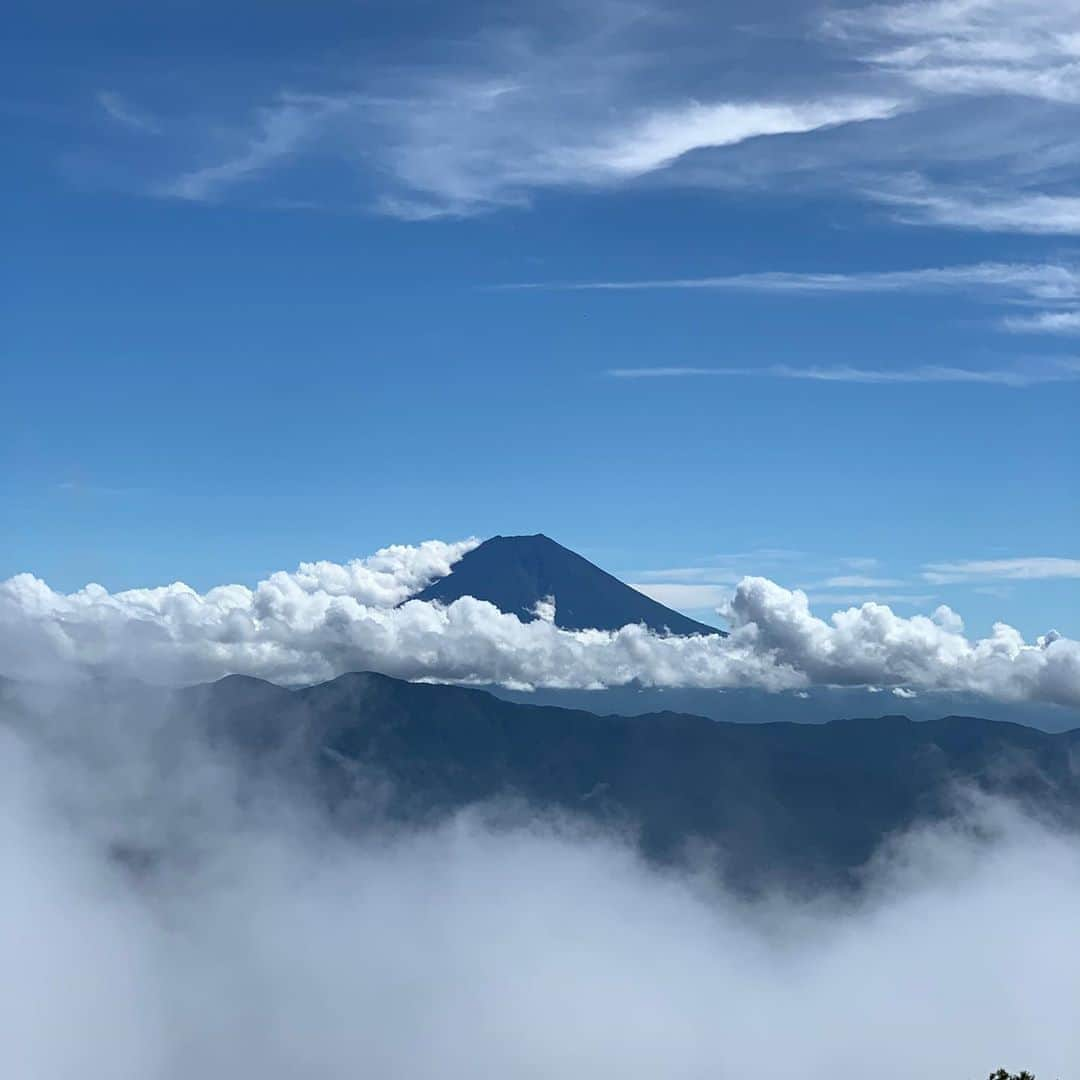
[326, 618]
[162, 920]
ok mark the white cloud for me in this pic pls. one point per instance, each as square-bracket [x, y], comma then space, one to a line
[1024, 569]
[1008, 70]
[685, 597]
[871, 645]
[278, 133]
[384, 579]
[1027, 48]
[1050, 371]
[546, 609]
[704, 575]
[1045, 322]
[1045, 282]
[463, 146]
[601, 95]
[989, 211]
[830, 600]
[1003, 283]
[526, 103]
[858, 581]
[861, 562]
[124, 113]
[858, 589]
[325, 619]
[667, 134]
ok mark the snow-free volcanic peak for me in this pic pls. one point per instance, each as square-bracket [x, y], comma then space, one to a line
[515, 573]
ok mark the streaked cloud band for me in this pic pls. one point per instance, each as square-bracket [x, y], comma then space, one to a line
[1055, 371]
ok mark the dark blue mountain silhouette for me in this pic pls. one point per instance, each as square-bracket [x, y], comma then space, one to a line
[780, 804]
[516, 572]
[805, 804]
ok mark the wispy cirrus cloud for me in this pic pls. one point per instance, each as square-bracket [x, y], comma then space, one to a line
[686, 597]
[460, 142]
[886, 103]
[957, 57]
[1056, 284]
[1046, 282]
[823, 599]
[1052, 371]
[473, 146]
[280, 132]
[689, 574]
[118, 108]
[864, 589]
[519, 105]
[1024, 211]
[975, 47]
[660, 138]
[857, 581]
[1031, 568]
[1045, 322]
[860, 562]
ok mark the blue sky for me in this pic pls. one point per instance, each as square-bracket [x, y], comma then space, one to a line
[699, 290]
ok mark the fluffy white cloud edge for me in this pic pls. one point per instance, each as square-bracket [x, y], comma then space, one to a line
[327, 618]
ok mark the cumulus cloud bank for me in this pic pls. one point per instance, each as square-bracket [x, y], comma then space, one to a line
[257, 940]
[325, 619]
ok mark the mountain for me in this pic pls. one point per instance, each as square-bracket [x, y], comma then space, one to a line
[800, 803]
[515, 573]
[818, 705]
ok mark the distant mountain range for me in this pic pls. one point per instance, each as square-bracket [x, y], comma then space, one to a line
[816, 705]
[809, 803]
[516, 573]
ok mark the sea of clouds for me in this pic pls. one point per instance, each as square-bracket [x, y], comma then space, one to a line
[242, 934]
[326, 618]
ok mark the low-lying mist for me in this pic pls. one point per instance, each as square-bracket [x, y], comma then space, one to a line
[165, 916]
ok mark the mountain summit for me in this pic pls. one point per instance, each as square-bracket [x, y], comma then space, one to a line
[515, 573]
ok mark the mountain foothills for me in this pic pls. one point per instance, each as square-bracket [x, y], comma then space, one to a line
[520, 574]
[807, 805]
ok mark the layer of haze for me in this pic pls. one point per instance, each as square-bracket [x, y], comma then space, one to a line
[165, 916]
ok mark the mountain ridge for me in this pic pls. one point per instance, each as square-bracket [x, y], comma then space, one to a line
[807, 806]
[809, 803]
